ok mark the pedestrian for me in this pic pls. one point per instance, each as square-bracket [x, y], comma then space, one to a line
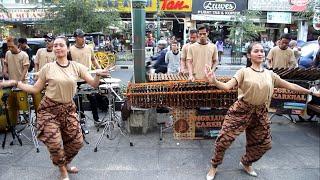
[250, 112]
[293, 45]
[172, 58]
[219, 45]
[57, 122]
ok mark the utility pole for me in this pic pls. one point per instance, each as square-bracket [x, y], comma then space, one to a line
[138, 31]
[158, 20]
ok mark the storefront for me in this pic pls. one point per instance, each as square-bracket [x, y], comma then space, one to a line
[279, 17]
[217, 13]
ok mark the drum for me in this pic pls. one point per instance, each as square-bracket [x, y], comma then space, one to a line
[19, 100]
[110, 80]
[12, 111]
[86, 89]
[103, 88]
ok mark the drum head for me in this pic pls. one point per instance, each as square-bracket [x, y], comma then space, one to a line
[110, 80]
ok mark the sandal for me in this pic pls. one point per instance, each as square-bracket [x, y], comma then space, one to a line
[72, 170]
[251, 173]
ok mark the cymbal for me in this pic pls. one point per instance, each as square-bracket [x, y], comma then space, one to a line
[110, 80]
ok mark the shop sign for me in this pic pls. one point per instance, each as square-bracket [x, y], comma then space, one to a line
[151, 5]
[279, 17]
[278, 5]
[23, 14]
[212, 7]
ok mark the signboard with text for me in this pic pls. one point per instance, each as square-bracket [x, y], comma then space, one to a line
[151, 5]
[217, 10]
[278, 5]
[288, 102]
[197, 124]
[23, 14]
[279, 17]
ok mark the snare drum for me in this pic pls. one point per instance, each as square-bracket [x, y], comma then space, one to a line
[13, 113]
[103, 88]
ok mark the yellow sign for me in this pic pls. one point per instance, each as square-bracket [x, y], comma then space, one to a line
[151, 6]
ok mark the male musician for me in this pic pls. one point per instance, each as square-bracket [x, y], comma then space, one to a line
[44, 55]
[200, 54]
[83, 54]
[193, 37]
[16, 64]
[281, 56]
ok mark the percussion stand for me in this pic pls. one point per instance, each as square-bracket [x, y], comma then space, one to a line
[11, 128]
[84, 132]
[112, 121]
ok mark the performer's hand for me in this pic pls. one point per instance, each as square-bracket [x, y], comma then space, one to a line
[105, 72]
[8, 83]
[210, 73]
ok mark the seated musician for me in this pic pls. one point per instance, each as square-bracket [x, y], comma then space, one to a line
[83, 54]
[16, 64]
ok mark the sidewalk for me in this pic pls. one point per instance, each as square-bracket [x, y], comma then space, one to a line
[294, 156]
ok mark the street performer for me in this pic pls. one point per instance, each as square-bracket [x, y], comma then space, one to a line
[250, 112]
[57, 124]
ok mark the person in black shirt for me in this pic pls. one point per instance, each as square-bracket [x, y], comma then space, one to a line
[23, 45]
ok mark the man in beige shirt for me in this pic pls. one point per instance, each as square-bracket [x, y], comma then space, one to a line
[193, 37]
[83, 54]
[200, 54]
[44, 55]
[16, 62]
[281, 56]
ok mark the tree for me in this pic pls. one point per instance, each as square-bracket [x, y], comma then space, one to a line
[244, 27]
[68, 15]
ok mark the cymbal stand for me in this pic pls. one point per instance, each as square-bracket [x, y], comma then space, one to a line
[112, 121]
[82, 124]
[11, 127]
[31, 124]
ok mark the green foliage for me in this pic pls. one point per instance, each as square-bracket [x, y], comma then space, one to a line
[244, 27]
[89, 15]
[308, 14]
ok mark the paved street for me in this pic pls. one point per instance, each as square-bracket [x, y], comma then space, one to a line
[294, 156]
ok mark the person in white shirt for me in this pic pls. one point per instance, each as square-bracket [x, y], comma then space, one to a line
[172, 58]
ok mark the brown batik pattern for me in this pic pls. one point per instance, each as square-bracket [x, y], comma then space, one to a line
[240, 117]
[59, 129]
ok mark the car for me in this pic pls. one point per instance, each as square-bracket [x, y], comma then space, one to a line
[309, 47]
[308, 51]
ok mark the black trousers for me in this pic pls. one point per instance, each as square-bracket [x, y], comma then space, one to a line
[93, 105]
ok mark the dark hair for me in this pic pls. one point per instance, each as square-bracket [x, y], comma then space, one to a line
[193, 31]
[13, 40]
[286, 36]
[202, 27]
[249, 49]
[22, 41]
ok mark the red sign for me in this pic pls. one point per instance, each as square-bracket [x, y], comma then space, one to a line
[174, 5]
